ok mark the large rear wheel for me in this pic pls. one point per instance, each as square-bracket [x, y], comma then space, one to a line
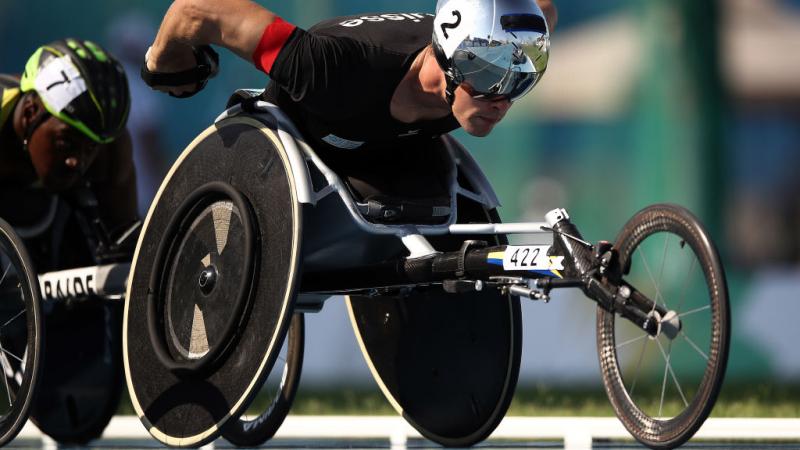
[276, 396]
[663, 387]
[20, 333]
[212, 284]
[448, 363]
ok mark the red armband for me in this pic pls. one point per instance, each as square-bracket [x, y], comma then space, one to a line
[275, 36]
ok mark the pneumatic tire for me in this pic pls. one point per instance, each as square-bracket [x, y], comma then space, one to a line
[662, 388]
[448, 363]
[279, 390]
[21, 333]
[212, 286]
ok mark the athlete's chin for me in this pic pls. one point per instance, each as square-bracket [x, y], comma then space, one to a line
[479, 131]
[476, 125]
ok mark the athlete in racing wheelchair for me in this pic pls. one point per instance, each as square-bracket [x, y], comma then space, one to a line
[66, 183]
[337, 181]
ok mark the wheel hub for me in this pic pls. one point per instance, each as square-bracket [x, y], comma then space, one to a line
[207, 280]
[669, 324]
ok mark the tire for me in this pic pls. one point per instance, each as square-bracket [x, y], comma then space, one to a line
[447, 363]
[81, 379]
[662, 388]
[279, 389]
[21, 333]
[212, 286]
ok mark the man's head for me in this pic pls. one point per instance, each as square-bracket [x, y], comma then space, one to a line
[76, 98]
[59, 153]
[492, 53]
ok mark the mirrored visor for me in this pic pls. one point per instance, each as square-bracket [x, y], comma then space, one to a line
[506, 69]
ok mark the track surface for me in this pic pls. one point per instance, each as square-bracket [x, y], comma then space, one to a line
[292, 444]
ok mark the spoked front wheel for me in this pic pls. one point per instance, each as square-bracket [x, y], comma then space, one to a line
[277, 394]
[663, 387]
[20, 333]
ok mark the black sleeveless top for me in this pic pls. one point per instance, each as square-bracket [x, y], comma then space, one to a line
[336, 81]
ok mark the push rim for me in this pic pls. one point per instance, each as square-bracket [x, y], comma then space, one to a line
[224, 209]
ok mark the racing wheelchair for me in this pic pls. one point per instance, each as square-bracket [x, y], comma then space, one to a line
[76, 314]
[252, 227]
[63, 276]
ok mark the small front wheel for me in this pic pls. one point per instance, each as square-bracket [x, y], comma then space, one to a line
[278, 391]
[20, 333]
[663, 387]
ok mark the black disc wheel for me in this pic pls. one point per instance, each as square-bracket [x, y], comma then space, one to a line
[274, 401]
[211, 291]
[448, 363]
[20, 333]
[663, 386]
[81, 379]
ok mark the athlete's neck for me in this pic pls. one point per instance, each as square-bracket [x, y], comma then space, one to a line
[420, 94]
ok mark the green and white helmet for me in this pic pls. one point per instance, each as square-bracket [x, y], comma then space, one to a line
[82, 85]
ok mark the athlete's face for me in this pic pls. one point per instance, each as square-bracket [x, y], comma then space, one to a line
[478, 116]
[60, 154]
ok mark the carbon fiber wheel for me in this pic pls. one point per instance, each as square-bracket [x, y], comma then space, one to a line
[212, 285]
[663, 388]
[20, 333]
[278, 392]
[447, 363]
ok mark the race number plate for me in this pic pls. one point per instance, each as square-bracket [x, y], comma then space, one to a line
[531, 257]
[105, 280]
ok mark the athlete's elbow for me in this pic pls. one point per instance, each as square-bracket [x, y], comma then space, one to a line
[197, 20]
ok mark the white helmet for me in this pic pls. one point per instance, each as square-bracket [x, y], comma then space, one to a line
[496, 48]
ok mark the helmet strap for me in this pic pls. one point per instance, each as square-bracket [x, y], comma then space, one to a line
[32, 126]
[450, 89]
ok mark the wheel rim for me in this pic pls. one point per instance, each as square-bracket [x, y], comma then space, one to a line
[20, 334]
[189, 407]
[662, 375]
[270, 394]
[277, 392]
[13, 336]
[663, 388]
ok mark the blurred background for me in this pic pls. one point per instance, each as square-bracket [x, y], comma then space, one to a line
[645, 101]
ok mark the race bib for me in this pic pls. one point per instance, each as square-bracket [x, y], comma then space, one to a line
[59, 83]
[453, 23]
[531, 257]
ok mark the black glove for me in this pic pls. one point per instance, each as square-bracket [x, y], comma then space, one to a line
[207, 67]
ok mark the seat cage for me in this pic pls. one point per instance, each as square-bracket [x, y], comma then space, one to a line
[311, 191]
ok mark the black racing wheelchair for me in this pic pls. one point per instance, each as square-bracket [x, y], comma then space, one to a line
[252, 228]
[61, 319]
[67, 302]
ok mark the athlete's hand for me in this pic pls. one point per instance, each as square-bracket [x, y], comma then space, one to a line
[179, 70]
[176, 59]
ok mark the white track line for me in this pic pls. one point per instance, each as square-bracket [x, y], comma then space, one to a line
[576, 432]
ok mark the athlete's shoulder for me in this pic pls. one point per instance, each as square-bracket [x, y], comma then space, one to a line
[385, 29]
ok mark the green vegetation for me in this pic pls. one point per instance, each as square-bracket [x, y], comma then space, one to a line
[735, 400]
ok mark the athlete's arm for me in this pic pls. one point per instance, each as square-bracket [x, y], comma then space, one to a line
[234, 24]
[114, 182]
